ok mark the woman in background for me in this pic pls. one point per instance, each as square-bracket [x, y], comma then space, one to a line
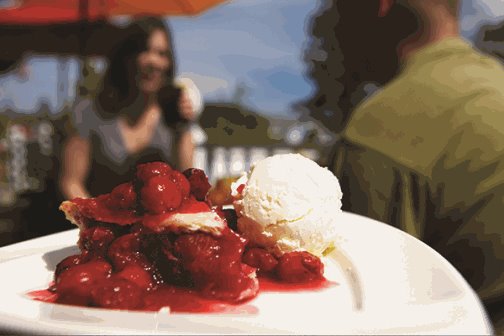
[138, 116]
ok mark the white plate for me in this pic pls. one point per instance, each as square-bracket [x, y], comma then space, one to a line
[389, 283]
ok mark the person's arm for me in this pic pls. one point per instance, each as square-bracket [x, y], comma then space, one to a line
[190, 106]
[185, 150]
[75, 167]
[186, 108]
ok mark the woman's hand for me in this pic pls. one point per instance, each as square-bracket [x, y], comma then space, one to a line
[186, 107]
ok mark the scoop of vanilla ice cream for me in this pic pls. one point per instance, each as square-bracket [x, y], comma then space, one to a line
[287, 203]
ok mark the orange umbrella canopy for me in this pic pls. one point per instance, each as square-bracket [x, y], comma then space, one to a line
[61, 11]
[166, 7]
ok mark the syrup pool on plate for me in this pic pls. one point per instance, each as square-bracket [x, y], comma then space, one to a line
[184, 300]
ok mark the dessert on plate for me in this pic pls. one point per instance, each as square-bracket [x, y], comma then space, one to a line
[288, 203]
[157, 241]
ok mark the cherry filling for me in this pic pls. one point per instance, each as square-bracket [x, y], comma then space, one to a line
[129, 261]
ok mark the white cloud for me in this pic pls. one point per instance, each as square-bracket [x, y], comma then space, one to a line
[495, 7]
[206, 84]
[217, 41]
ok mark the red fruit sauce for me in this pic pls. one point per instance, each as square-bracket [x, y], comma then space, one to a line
[129, 261]
[185, 300]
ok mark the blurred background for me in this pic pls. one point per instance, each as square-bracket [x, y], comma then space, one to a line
[270, 73]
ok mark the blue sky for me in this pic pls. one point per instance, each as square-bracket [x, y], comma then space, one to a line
[477, 12]
[255, 43]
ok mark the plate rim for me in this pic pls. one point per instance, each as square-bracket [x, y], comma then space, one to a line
[15, 251]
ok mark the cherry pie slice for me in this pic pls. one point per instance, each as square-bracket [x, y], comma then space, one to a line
[157, 241]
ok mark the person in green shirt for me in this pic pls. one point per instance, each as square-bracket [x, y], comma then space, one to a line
[426, 152]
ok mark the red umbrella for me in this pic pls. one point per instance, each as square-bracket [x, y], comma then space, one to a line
[59, 11]
[76, 26]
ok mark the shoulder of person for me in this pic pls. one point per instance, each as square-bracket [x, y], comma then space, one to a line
[377, 113]
[458, 74]
[85, 118]
[404, 126]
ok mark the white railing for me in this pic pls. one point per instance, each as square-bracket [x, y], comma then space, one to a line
[220, 161]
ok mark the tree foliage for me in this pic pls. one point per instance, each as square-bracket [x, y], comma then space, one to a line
[326, 70]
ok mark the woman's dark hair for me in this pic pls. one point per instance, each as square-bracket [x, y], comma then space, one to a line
[119, 88]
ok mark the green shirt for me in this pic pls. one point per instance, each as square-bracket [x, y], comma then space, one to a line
[426, 154]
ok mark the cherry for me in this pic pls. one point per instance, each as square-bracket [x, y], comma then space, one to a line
[146, 171]
[235, 283]
[299, 267]
[67, 263]
[199, 255]
[232, 245]
[160, 194]
[124, 250]
[122, 197]
[96, 239]
[127, 243]
[182, 182]
[74, 284]
[196, 246]
[199, 183]
[214, 265]
[137, 275]
[117, 293]
[261, 259]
